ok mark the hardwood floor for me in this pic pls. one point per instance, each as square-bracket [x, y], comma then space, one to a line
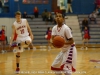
[38, 62]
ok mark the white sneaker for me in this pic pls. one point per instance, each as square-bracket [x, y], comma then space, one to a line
[3, 51]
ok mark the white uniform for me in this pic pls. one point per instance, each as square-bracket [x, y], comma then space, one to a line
[66, 59]
[22, 32]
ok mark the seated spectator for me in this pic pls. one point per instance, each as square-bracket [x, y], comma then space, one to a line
[44, 15]
[26, 16]
[49, 18]
[92, 17]
[97, 3]
[36, 12]
[84, 23]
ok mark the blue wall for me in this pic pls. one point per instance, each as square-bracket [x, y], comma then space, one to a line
[15, 6]
[79, 7]
[83, 6]
[29, 7]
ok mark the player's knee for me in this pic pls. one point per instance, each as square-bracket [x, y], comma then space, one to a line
[17, 56]
[27, 42]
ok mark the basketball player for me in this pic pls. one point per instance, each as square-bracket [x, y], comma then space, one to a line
[65, 62]
[22, 29]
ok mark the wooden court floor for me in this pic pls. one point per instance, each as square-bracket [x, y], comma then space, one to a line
[38, 62]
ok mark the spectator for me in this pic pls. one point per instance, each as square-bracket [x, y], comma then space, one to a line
[0, 6]
[85, 38]
[48, 37]
[97, 4]
[92, 17]
[3, 39]
[26, 16]
[97, 11]
[44, 15]
[36, 12]
[69, 7]
[84, 23]
[49, 18]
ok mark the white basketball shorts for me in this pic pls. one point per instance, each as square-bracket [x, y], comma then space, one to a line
[22, 39]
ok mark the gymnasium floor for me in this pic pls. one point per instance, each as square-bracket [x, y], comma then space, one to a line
[38, 62]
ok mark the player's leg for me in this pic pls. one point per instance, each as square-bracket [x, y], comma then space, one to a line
[83, 41]
[67, 69]
[25, 41]
[17, 62]
[4, 45]
[87, 43]
[49, 45]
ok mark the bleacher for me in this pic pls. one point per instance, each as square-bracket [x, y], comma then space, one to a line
[72, 22]
[39, 29]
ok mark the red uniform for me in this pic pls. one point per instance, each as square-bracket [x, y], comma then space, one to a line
[2, 37]
[86, 34]
[48, 34]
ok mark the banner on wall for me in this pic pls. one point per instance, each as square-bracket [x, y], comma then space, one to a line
[5, 1]
[35, 1]
[16, 0]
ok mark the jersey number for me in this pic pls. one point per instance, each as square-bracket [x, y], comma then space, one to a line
[22, 31]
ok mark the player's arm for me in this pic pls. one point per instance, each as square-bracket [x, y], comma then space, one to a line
[12, 36]
[29, 30]
[53, 33]
[69, 41]
[68, 35]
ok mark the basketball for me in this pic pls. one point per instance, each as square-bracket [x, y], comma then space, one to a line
[58, 41]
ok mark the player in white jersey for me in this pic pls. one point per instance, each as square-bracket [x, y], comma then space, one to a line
[65, 62]
[24, 36]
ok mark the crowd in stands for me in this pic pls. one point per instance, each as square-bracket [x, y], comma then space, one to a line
[93, 16]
